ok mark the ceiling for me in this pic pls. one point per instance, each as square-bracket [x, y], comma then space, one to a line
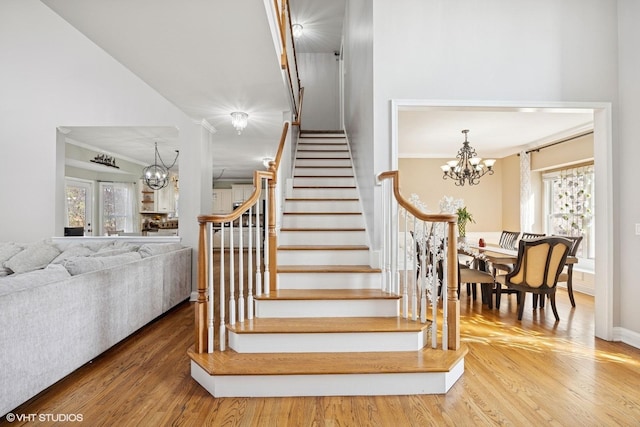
[182, 50]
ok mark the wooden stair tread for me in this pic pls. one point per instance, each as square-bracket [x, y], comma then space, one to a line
[323, 176]
[320, 199]
[231, 363]
[300, 325]
[322, 213]
[327, 269]
[323, 248]
[326, 294]
[323, 167]
[325, 186]
[322, 229]
[307, 150]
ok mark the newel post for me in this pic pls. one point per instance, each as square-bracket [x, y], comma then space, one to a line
[453, 303]
[273, 238]
[201, 302]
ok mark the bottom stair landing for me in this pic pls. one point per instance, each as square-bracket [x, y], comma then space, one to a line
[231, 374]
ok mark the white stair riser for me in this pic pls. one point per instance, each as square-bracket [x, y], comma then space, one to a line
[322, 155]
[322, 238]
[324, 182]
[322, 139]
[327, 342]
[303, 146]
[320, 257]
[321, 206]
[324, 193]
[323, 162]
[322, 172]
[329, 280]
[374, 384]
[322, 221]
[328, 308]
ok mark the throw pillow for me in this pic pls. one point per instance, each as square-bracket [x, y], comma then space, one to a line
[71, 251]
[33, 257]
[7, 250]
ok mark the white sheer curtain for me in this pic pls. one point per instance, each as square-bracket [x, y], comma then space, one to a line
[526, 196]
[118, 207]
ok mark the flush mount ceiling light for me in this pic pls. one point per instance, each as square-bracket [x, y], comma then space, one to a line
[467, 167]
[239, 120]
[156, 176]
[297, 30]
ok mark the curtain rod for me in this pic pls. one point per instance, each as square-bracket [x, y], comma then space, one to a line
[558, 142]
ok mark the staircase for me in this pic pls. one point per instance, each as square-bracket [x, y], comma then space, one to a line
[329, 328]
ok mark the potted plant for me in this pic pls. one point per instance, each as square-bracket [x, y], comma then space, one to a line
[464, 217]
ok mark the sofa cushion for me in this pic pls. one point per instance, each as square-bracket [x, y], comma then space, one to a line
[151, 249]
[71, 251]
[18, 282]
[80, 264]
[8, 250]
[4, 271]
[33, 257]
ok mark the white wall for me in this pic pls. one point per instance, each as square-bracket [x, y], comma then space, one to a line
[530, 50]
[51, 75]
[358, 81]
[319, 74]
[627, 214]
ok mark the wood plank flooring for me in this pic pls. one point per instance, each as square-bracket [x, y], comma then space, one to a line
[528, 373]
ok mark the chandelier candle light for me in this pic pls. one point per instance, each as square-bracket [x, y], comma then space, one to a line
[156, 176]
[467, 167]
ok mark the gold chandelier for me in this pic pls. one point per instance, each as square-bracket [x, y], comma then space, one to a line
[467, 166]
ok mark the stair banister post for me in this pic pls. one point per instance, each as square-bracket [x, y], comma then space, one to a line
[453, 304]
[273, 238]
[201, 302]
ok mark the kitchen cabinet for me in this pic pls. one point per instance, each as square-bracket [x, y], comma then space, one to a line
[222, 200]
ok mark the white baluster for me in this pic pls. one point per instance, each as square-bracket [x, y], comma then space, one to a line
[258, 240]
[394, 229]
[266, 239]
[250, 269]
[241, 272]
[223, 284]
[211, 302]
[434, 288]
[445, 292]
[424, 268]
[414, 278]
[405, 295]
[385, 236]
[232, 278]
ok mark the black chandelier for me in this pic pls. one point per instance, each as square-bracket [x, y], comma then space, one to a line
[156, 176]
[467, 167]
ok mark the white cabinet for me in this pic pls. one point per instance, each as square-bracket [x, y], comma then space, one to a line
[241, 192]
[165, 199]
[222, 200]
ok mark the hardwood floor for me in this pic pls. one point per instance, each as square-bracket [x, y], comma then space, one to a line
[532, 372]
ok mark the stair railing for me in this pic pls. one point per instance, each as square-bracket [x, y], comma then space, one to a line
[217, 274]
[288, 54]
[427, 265]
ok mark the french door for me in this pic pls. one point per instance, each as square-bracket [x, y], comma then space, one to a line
[79, 204]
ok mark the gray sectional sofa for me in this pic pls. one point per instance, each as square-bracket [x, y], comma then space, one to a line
[63, 303]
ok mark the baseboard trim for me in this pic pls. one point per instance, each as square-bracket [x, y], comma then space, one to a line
[626, 336]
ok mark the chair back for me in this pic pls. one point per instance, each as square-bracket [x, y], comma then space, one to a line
[508, 239]
[531, 236]
[540, 262]
[575, 243]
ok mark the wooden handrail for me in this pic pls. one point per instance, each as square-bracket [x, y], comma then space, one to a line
[439, 217]
[299, 114]
[452, 302]
[237, 212]
[283, 140]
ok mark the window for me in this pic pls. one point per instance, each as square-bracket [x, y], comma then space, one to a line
[569, 208]
[117, 207]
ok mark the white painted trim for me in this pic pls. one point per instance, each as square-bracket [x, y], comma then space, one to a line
[313, 342]
[603, 149]
[327, 385]
[626, 336]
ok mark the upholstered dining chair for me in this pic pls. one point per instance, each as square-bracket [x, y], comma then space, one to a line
[508, 239]
[540, 262]
[472, 276]
[567, 273]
